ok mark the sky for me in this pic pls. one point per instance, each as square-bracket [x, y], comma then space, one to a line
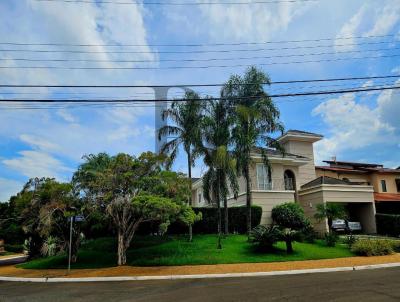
[49, 141]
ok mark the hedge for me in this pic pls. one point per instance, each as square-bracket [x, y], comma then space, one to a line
[208, 225]
[388, 224]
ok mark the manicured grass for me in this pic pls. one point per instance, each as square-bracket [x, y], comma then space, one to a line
[164, 251]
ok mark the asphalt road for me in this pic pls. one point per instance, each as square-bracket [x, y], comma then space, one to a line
[367, 285]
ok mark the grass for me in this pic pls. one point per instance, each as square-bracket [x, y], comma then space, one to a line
[176, 250]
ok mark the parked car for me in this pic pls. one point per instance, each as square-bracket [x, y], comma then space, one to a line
[342, 225]
[339, 225]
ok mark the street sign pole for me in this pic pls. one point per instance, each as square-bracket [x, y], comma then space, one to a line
[70, 244]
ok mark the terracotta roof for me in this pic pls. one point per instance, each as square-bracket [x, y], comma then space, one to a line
[359, 170]
[380, 197]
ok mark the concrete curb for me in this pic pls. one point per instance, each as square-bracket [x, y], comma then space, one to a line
[202, 276]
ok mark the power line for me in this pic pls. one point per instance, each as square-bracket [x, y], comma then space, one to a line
[195, 67]
[200, 85]
[197, 60]
[188, 51]
[133, 2]
[199, 44]
[297, 94]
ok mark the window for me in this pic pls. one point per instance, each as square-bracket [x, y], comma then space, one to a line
[263, 180]
[383, 184]
[398, 184]
[199, 198]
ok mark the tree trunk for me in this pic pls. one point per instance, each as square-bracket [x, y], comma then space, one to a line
[121, 248]
[219, 246]
[226, 221]
[289, 247]
[248, 199]
[189, 158]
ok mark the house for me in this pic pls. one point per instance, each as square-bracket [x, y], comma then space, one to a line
[293, 177]
[385, 181]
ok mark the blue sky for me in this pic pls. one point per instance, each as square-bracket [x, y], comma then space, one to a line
[51, 142]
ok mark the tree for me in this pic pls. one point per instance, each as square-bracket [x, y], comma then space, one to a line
[117, 185]
[330, 211]
[186, 132]
[221, 173]
[257, 118]
[45, 206]
[291, 220]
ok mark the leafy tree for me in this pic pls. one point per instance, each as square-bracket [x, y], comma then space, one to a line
[257, 118]
[186, 132]
[221, 173]
[330, 211]
[45, 206]
[117, 184]
[291, 220]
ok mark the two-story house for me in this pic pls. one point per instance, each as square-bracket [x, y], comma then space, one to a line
[293, 178]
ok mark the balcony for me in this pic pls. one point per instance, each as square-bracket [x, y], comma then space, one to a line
[277, 185]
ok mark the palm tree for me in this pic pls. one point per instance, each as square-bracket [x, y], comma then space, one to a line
[257, 118]
[221, 173]
[185, 131]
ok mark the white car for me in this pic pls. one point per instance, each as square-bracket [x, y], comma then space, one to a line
[339, 225]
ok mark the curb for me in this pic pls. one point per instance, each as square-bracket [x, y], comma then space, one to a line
[202, 276]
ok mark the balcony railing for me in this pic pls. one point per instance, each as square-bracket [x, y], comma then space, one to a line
[277, 185]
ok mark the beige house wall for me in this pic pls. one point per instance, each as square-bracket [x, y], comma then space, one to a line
[390, 182]
[303, 148]
[361, 196]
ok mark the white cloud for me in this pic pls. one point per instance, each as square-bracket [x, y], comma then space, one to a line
[38, 143]
[37, 164]
[353, 126]
[66, 115]
[250, 22]
[9, 187]
[386, 18]
[349, 29]
[371, 19]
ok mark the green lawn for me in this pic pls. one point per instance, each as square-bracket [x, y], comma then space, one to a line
[162, 251]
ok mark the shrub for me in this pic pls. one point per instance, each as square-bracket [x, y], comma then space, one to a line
[308, 234]
[388, 224]
[289, 215]
[331, 239]
[265, 236]
[14, 248]
[209, 222]
[350, 240]
[395, 245]
[372, 247]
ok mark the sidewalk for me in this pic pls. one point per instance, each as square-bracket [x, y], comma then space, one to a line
[12, 271]
[12, 259]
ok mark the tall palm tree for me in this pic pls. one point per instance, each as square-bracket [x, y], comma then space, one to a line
[185, 131]
[221, 173]
[257, 118]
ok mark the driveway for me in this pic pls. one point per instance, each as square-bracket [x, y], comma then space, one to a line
[367, 285]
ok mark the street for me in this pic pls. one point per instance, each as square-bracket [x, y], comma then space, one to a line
[367, 285]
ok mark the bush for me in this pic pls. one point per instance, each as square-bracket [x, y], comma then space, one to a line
[372, 247]
[308, 234]
[388, 224]
[209, 222]
[265, 236]
[14, 248]
[331, 239]
[289, 215]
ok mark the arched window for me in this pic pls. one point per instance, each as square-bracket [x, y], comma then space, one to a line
[290, 181]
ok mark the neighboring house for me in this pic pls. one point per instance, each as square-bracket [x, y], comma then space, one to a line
[294, 178]
[385, 181]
